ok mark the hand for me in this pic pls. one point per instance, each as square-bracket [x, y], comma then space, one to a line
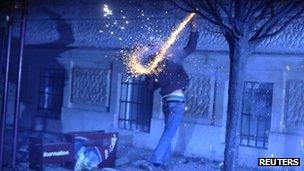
[193, 25]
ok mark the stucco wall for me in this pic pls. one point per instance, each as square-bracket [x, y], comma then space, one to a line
[195, 137]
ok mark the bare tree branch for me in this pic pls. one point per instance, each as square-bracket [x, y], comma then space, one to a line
[180, 7]
[274, 33]
[262, 9]
[248, 11]
[224, 9]
[193, 9]
[214, 12]
[209, 11]
[227, 11]
[205, 9]
[272, 20]
[245, 17]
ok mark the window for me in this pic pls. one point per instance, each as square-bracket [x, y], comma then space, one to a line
[256, 114]
[50, 98]
[135, 104]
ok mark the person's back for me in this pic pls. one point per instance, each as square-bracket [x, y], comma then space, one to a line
[172, 77]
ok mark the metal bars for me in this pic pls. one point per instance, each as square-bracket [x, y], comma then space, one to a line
[256, 114]
[14, 8]
[51, 85]
[136, 101]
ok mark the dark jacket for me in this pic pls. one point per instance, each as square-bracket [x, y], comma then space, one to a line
[173, 76]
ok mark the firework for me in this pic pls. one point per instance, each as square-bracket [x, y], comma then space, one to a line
[132, 60]
[107, 11]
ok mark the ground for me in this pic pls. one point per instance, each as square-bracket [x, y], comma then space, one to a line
[133, 159]
[128, 158]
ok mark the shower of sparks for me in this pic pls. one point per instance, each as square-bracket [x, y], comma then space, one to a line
[132, 60]
[107, 11]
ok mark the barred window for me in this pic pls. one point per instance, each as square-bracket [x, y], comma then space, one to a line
[136, 103]
[256, 115]
[51, 84]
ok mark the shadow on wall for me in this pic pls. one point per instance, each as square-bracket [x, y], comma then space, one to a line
[48, 59]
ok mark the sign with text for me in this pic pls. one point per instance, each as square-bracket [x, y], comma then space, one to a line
[279, 162]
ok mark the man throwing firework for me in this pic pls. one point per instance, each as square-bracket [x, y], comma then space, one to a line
[172, 81]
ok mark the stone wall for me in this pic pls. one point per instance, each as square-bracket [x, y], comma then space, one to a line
[294, 115]
[90, 86]
[199, 99]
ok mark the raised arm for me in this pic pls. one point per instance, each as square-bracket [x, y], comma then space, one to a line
[192, 42]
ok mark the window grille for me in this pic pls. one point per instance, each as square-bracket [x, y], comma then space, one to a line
[136, 103]
[256, 114]
[51, 84]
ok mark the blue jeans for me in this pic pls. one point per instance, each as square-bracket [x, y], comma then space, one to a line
[174, 112]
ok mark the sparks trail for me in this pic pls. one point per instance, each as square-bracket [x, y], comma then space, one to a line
[132, 61]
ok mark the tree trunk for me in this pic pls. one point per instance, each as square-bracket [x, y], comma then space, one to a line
[238, 53]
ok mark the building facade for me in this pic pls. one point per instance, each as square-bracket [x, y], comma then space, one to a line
[74, 80]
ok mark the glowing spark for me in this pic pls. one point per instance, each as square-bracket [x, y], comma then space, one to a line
[287, 67]
[107, 11]
[133, 62]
